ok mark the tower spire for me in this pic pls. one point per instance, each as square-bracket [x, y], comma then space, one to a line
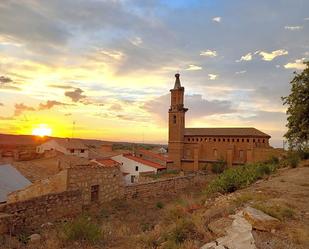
[177, 81]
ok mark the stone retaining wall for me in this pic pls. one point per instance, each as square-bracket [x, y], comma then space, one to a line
[31, 214]
[162, 187]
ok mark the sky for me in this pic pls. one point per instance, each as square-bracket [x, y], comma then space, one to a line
[103, 69]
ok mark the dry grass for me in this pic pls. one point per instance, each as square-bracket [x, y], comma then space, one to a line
[279, 211]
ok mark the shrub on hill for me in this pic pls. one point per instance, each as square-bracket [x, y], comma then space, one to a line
[218, 167]
[235, 178]
[82, 229]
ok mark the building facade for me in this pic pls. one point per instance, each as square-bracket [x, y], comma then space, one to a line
[193, 148]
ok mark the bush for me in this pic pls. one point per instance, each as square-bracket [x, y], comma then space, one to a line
[160, 205]
[183, 230]
[293, 159]
[82, 229]
[235, 178]
[218, 167]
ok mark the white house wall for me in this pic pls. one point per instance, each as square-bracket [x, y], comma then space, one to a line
[128, 166]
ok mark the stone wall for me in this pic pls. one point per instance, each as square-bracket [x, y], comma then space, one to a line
[162, 187]
[54, 184]
[109, 180]
[30, 214]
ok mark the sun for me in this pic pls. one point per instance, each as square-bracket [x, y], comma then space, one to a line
[42, 130]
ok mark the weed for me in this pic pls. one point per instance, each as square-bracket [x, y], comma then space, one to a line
[159, 205]
[23, 238]
[82, 228]
[218, 167]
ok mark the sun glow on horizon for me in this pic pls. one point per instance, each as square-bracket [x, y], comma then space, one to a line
[42, 130]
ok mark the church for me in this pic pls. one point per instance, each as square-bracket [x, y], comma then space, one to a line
[191, 149]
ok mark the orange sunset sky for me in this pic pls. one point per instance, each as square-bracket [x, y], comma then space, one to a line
[107, 66]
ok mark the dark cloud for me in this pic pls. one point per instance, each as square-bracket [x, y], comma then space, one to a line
[198, 106]
[50, 104]
[8, 83]
[1, 104]
[20, 108]
[60, 86]
[4, 80]
[75, 95]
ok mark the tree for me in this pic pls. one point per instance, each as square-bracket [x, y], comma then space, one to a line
[298, 110]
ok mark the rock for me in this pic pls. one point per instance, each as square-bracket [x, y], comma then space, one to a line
[218, 227]
[259, 220]
[34, 238]
[238, 235]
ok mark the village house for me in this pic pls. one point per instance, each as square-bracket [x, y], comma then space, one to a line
[67, 146]
[161, 159]
[191, 149]
[132, 166]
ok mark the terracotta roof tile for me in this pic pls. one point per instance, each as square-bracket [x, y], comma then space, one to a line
[143, 161]
[243, 131]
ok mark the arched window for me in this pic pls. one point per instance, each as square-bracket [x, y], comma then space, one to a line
[215, 140]
[243, 140]
[237, 140]
[228, 140]
[219, 140]
[233, 140]
[248, 140]
[174, 119]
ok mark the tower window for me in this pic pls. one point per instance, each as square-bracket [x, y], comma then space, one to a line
[174, 119]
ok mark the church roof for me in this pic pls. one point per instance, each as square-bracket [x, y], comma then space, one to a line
[243, 131]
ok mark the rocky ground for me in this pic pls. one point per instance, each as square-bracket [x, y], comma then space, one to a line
[283, 198]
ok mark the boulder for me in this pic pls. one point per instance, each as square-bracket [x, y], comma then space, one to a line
[259, 220]
[34, 238]
[218, 227]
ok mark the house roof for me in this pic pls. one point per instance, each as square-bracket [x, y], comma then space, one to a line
[11, 180]
[243, 131]
[143, 161]
[70, 143]
[152, 154]
[107, 162]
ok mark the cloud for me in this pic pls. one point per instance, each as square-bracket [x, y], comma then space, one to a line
[75, 95]
[293, 28]
[217, 19]
[1, 104]
[116, 55]
[241, 72]
[209, 53]
[8, 83]
[270, 56]
[21, 108]
[306, 18]
[6, 118]
[4, 79]
[60, 86]
[192, 67]
[212, 76]
[50, 104]
[247, 57]
[136, 41]
[297, 64]
[198, 106]
[116, 107]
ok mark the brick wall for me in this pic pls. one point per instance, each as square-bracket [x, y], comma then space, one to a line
[162, 187]
[30, 214]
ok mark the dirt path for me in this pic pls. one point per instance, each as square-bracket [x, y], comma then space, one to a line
[285, 194]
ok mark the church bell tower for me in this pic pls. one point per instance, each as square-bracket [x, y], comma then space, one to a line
[176, 123]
